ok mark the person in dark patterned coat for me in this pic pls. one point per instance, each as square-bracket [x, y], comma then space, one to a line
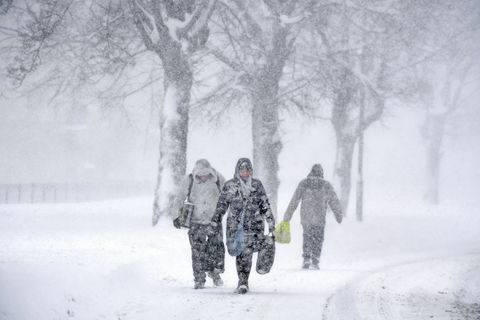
[316, 195]
[244, 195]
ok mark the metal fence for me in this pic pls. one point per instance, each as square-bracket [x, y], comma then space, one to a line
[72, 192]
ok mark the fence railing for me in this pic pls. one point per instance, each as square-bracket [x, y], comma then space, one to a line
[72, 192]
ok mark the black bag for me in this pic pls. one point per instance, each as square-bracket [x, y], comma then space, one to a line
[186, 210]
[266, 255]
[216, 252]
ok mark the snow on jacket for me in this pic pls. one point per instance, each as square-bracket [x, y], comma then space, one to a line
[249, 197]
[316, 195]
[204, 195]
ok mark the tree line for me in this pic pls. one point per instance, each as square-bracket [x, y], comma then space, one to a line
[343, 61]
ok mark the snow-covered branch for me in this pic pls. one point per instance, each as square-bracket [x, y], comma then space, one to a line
[217, 53]
[145, 27]
[198, 20]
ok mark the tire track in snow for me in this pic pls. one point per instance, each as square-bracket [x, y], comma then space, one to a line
[351, 301]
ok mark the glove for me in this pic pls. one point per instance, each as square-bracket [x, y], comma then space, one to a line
[176, 223]
[155, 219]
[339, 218]
[271, 228]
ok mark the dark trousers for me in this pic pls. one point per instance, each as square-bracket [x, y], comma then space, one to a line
[244, 265]
[208, 253]
[244, 260]
[313, 242]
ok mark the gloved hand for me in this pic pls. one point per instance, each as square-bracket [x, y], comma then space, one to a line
[339, 217]
[212, 229]
[271, 228]
[155, 219]
[176, 223]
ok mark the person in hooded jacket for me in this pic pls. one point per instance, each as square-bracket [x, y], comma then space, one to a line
[208, 251]
[244, 195]
[316, 195]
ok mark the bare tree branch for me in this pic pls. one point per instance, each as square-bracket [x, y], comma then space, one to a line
[198, 19]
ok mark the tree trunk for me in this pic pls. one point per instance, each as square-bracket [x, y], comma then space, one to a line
[265, 114]
[343, 167]
[174, 45]
[359, 207]
[266, 143]
[346, 132]
[173, 133]
[433, 132]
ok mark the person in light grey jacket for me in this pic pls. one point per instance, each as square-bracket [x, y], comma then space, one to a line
[208, 250]
[316, 195]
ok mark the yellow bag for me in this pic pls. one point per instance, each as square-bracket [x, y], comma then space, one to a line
[282, 232]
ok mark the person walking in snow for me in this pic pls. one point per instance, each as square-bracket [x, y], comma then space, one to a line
[249, 208]
[202, 188]
[316, 195]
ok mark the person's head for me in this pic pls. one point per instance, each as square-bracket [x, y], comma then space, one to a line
[244, 169]
[317, 171]
[244, 172]
[202, 170]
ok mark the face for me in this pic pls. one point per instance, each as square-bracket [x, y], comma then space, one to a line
[204, 178]
[244, 174]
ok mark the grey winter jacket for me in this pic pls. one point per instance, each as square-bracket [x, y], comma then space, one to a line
[250, 198]
[204, 195]
[316, 195]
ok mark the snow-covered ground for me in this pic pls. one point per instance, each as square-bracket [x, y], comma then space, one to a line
[103, 260]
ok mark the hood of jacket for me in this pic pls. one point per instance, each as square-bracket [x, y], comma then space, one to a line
[203, 168]
[316, 172]
[243, 162]
[245, 185]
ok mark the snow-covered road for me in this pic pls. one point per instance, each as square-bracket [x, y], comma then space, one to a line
[104, 261]
[442, 288]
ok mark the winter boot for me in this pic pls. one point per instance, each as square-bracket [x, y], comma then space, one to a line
[242, 286]
[199, 282]
[315, 264]
[217, 280]
[306, 264]
[242, 289]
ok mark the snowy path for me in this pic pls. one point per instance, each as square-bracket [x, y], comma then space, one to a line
[443, 288]
[104, 261]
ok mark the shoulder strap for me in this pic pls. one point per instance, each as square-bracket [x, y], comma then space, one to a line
[190, 186]
[218, 184]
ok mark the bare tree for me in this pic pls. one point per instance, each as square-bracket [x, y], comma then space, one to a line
[353, 49]
[448, 82]
[174, 30]
[255, 41]
[102, 39]
[364, 54]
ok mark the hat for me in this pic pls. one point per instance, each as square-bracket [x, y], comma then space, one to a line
[244, 166]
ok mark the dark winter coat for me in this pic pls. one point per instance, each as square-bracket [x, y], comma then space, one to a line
[250, 197]
[316, 195]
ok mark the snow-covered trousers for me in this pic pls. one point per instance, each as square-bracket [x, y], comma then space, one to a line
[313, 242]
[244, 260]
[208, 253]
